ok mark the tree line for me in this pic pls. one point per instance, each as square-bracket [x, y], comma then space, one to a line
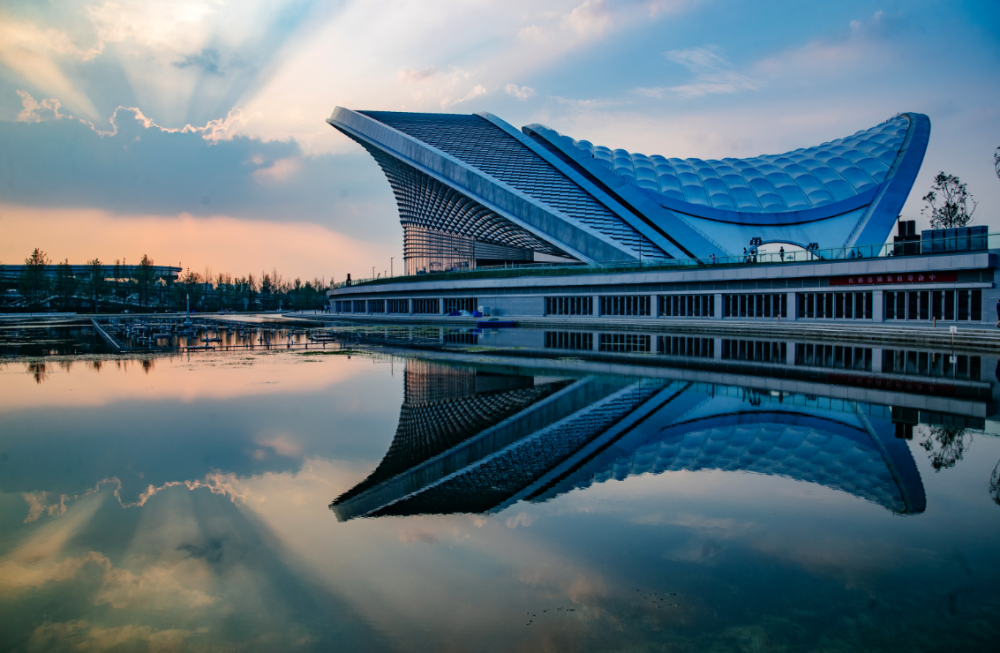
[102, 288]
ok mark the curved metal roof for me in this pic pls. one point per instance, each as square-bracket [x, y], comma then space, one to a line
[802, 179]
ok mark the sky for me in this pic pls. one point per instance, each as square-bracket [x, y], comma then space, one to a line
[193, 131]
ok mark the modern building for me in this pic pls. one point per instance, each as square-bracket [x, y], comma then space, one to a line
[532, 223]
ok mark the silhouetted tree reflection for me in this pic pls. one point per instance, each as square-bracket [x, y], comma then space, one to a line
[37, 370]
[995, 484]
[947, 445]
[147, 364]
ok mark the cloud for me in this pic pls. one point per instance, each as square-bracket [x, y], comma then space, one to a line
[227, 485]
[496, 42]
[655, 92]
[476, 91]
[587, 103]
[137, 166]
[213, 130]
[414, 536]
[520, 92]
[31, 53]
[697, 60]
[159, 25]
[81, 635]
[712, 74]
[409, 75]
[156, 587]
[32, 111]
[207, 60]
[520, 519]
[592, 18]
[37, 561]
[864, 45]
[282, 444]
[279, 170]
[48, 109]
[38, 505]
[18, 575]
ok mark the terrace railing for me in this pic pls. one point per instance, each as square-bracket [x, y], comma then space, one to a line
[938, 246]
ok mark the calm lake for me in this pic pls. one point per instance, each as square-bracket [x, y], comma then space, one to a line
[448, 490]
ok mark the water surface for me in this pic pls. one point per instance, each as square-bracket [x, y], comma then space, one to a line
[485, 491]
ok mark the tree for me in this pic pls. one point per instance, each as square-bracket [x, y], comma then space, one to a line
[143, 276]
[190, 285]
[996, 161]
[251, 292]
[65, 285]
[265, 292]
[34, 282]
[122, 281]
[995, 485]
[97, 286]
[946, 445]
[948, 203]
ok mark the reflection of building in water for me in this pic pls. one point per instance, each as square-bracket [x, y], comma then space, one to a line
[837, 454]
[442, 406]
[472, 442]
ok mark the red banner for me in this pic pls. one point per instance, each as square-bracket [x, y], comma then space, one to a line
[905, 277]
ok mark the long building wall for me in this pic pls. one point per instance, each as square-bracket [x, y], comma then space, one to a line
[956, 288]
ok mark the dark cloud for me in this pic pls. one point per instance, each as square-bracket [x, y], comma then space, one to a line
[207, 60]
[140, 170]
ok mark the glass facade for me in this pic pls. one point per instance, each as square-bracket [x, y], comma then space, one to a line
[623, 305]
[427, 306]
[569, 305]
[686, 305]
[835, 305]
[755, 305]
[947, 305]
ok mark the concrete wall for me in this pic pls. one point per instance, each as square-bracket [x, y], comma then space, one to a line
[509, 306]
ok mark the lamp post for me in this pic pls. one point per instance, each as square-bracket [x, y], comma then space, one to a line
[391, 273]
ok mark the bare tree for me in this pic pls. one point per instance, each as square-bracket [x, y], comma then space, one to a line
[996, 161]
[948, 203]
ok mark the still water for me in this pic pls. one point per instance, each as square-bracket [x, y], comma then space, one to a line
[685, 495]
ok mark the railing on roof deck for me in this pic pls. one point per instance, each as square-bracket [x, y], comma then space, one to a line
[858, 252]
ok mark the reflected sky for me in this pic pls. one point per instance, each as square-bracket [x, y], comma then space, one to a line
[454, 501]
